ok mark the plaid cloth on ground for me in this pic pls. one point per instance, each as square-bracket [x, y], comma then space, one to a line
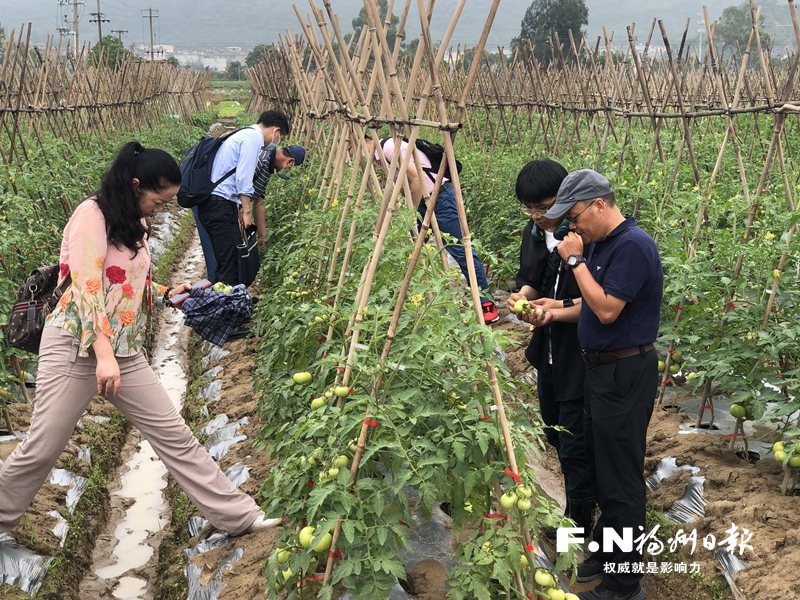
[215, 315]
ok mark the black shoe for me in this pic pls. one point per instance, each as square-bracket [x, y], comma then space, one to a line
[590, 569]
[601, 593]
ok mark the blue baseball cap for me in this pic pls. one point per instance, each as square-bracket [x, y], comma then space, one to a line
[298, 153]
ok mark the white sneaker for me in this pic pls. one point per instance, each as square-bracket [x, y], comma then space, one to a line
[262, 523]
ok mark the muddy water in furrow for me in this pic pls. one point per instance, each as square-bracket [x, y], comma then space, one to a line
[125, 555]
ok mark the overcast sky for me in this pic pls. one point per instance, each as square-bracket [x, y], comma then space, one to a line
[249, 22]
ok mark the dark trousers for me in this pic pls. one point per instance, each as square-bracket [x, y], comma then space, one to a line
[208, 247]
[220, 217]
[447, 219]
[619, 403]
[570, 445]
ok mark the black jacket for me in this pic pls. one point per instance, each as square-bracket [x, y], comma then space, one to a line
[538, 268]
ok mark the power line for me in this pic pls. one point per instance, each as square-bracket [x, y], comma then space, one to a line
[151, 14]
[119, 33]
[99, 18]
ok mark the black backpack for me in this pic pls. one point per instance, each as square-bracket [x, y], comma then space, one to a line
[435, 154]
[196, 184]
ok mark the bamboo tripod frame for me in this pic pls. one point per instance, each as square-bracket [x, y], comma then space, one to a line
[43, 91]
[351, 94]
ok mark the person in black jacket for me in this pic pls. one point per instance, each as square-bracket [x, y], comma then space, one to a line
[554, 351]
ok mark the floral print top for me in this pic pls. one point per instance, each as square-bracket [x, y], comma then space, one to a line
[108, 283]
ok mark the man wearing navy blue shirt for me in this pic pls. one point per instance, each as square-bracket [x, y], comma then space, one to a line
[621, 283]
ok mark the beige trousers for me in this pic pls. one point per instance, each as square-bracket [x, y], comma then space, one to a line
[65, 384]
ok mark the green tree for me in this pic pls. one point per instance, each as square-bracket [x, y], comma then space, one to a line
[234, 72]
[362, 21]
[545, 17]
[734, 28]
[173, 61]
[256, 54]
[114, 52]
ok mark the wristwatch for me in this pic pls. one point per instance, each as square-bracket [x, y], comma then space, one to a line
[567, 302]
[574, 260]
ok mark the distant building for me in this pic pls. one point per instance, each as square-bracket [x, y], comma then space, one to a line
[214, 63]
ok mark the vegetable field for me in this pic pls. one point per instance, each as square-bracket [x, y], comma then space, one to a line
[378, 399]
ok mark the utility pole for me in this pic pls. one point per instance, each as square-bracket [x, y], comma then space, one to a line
[76, 17]
[151, 14]
[119, 33]
[99, 18]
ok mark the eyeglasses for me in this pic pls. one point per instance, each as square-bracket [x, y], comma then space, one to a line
[574, 218]
[535, 210]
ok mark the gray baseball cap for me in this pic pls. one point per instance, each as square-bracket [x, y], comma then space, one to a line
[583, 184]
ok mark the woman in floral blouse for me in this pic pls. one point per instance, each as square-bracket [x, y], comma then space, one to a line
[92, 342]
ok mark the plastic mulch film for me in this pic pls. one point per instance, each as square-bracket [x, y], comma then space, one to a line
[430, 538]
[61, 528]
[17, 435]
[196, 525]
[238, 474]
[730, 564]
[212, 373]
[211, 392]
[214, 355]
[665, 469]
[215, 540]
[75, 484]
[213, 588]
[85, 454]
[20, 567]
[692, 506]
[215, 424]
[217, 445]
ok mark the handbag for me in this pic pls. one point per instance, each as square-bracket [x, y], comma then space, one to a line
[247, 253]
[35, 299]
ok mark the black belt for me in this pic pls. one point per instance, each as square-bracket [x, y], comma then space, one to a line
[601, 358]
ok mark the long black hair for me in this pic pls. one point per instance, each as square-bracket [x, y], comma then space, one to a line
[155, 169]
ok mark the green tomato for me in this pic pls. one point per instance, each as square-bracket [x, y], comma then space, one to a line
[780, 456]
[353, 446]
[287, 574]
[302, 377]
[341, 391]
[524, 504]
[677, 356]
[341, 461]
[333, 472]
[523, 560]
[777, 446]
[283, 555]
[674, 368]
[306, 536]
[218, 287]
[794, 461]
[522, 306]
[556, 594]
[661, 366]
[738, 411]
[544, 579]
[324, 543]
[318, 403]
[508, 500]
[523, 491]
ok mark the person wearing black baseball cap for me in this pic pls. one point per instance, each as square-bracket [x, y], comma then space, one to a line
[621, 282]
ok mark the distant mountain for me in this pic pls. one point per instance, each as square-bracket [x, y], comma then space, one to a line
[204, 23]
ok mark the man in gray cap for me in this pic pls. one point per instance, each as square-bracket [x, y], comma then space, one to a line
[621, 282]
